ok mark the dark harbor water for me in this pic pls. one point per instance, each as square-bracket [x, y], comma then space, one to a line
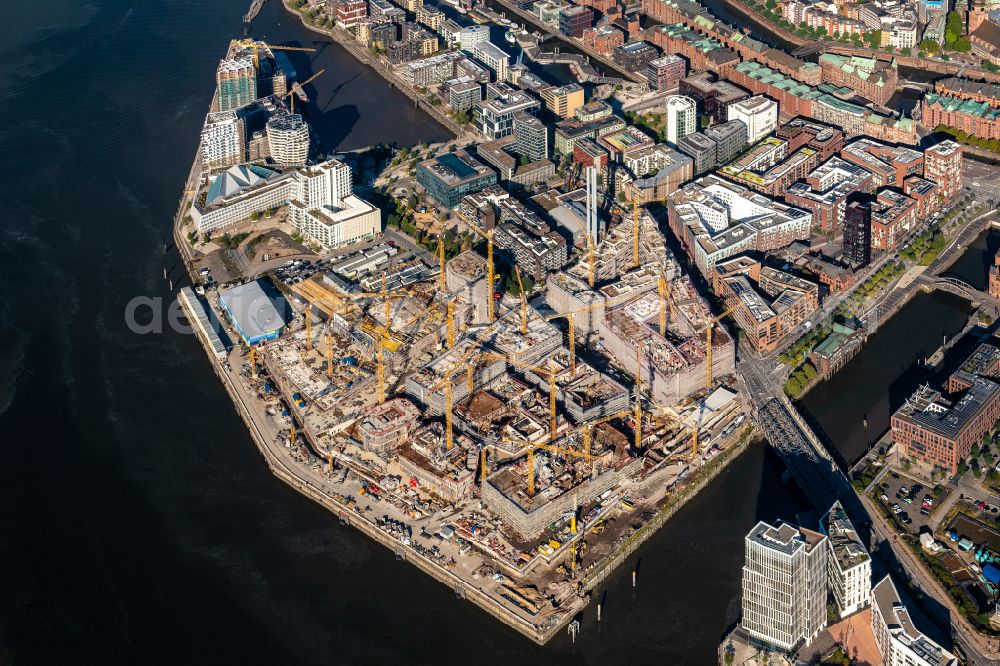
[974, 264]
[137, 522]
[884, 373]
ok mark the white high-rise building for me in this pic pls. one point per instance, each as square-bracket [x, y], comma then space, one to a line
[493, 57]
[593, 222]
[325, 184]
[784, 585]
[223, 140]
[288, 139]
[682, 118]
[850, 566]
[758, 113]
[898, 639]
[235, 194]
[323, 209]
[471, 35]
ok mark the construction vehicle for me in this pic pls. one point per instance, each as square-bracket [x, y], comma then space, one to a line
[256, 46]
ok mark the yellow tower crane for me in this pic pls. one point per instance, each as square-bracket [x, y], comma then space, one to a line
[571, 325]
[663, 288]
[490, 274]
[256, 46]
[587, 428]
[446, 384]
[291, 93]
[636, 205]
[708, 345]
[442, 278]
[524, 302]
[451, 323]
[531, 457]
[329, 356]
[548, 373]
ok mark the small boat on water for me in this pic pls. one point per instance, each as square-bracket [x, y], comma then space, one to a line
[509, 36]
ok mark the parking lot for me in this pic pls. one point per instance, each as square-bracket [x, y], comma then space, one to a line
[898, 490]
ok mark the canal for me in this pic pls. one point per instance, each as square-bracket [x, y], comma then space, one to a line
[974, 264]
[879, 379]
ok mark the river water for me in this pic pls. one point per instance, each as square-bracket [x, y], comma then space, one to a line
[884, 373]
[138, 524]
[974, 264]
[890, 366]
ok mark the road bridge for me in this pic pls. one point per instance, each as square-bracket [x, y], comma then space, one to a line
[815, 473]
[810, 48]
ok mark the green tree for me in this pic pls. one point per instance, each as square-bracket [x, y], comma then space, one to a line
[963, 45]
[906, 52]
[953, 23]
[928, 45]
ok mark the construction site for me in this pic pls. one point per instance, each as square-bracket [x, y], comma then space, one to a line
[513, 446]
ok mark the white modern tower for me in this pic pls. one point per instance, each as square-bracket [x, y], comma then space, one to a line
[288, 138]
[850, 566]
[682, 118]
[593, 222]
[784, 585]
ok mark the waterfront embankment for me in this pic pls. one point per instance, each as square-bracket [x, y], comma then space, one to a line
[932, 65]
[360, 52]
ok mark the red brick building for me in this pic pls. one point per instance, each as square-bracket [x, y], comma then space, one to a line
[943, 165]
[601, 6]
[925, 193]
[976, 118]
[941, 429]
[893, 214]
[351, 12]
[603, 38]
[994, 287]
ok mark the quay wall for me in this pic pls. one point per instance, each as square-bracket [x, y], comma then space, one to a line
[361, 53]
[914, 62]
[280, 468]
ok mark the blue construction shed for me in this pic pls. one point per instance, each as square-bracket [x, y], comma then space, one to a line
[255, 313]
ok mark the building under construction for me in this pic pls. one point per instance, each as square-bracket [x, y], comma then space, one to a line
[532, 492]
[647, 314]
